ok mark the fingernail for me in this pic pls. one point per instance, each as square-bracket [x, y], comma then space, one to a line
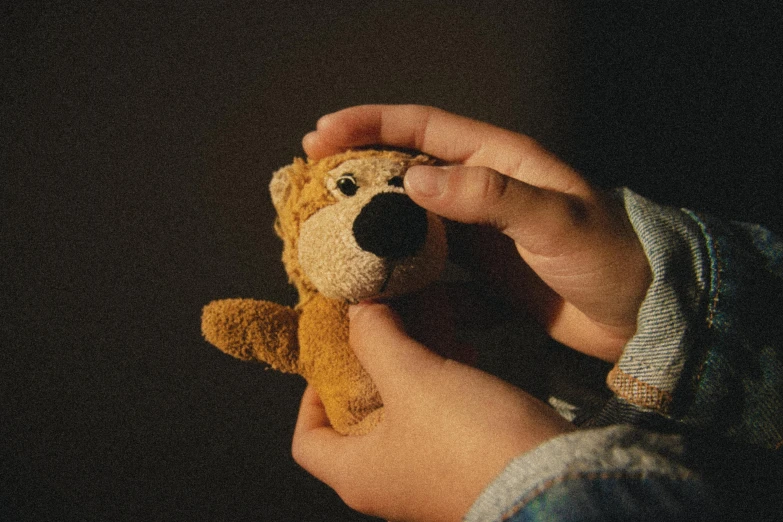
[354, 308]
[425, 181]
[309, 139]
[323, 121]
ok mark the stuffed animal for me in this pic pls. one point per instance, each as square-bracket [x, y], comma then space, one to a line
[349, 233]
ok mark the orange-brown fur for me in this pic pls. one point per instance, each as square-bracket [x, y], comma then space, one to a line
[310, 339]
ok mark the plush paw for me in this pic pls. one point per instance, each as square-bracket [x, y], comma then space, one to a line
[253, 330]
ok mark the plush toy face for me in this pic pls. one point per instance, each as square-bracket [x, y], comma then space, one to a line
[349, 233]
[358, 235]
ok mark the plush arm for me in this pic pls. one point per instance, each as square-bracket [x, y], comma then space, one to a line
[254, 330]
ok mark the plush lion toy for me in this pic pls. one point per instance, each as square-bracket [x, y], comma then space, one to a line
[349, 233]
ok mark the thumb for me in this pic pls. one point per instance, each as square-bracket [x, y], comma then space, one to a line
[537, 219]
[394, 360]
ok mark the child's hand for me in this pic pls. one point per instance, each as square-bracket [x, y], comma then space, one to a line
[578, 241]
[447, 431]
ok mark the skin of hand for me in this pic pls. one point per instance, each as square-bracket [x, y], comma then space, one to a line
[583, 273]
[448, 429]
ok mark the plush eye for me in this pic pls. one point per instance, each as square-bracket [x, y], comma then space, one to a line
[347, 184]
[396, 181]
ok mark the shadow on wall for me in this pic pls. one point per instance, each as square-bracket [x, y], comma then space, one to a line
[682, 102]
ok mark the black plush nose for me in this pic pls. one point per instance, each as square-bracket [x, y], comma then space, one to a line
[391, 226]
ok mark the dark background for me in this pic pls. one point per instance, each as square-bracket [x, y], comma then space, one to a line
[137, 142]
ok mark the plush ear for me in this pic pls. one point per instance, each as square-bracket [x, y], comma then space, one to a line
[280, 186]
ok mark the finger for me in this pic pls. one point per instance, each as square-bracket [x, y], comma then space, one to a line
[316, 446]
[312, 414]
[541, 221]
[574, 244]
[452, 138]
[395, 361]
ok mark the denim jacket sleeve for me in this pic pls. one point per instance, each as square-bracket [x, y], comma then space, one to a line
[695, 424]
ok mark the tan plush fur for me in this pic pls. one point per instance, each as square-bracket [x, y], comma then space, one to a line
[330, 269]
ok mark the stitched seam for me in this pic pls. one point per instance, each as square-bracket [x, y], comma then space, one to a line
[637, 391]
[589, 475]
[716, 283]
[716, 268]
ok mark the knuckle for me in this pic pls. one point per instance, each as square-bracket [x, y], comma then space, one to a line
[567, 228]
[356, 499]
[489, 196]
[299, 451]
[492, 187]
[352, 500]
[495, 186]
[575, 212]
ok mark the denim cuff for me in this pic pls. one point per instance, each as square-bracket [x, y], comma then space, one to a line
[669, 318]
[710, 311]
[615, 452]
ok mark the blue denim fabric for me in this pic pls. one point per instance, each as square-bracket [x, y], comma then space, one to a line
[695, 425]
[734, 386]
[708, 353]
[626, 473]
[621, 497]
[587, 473]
